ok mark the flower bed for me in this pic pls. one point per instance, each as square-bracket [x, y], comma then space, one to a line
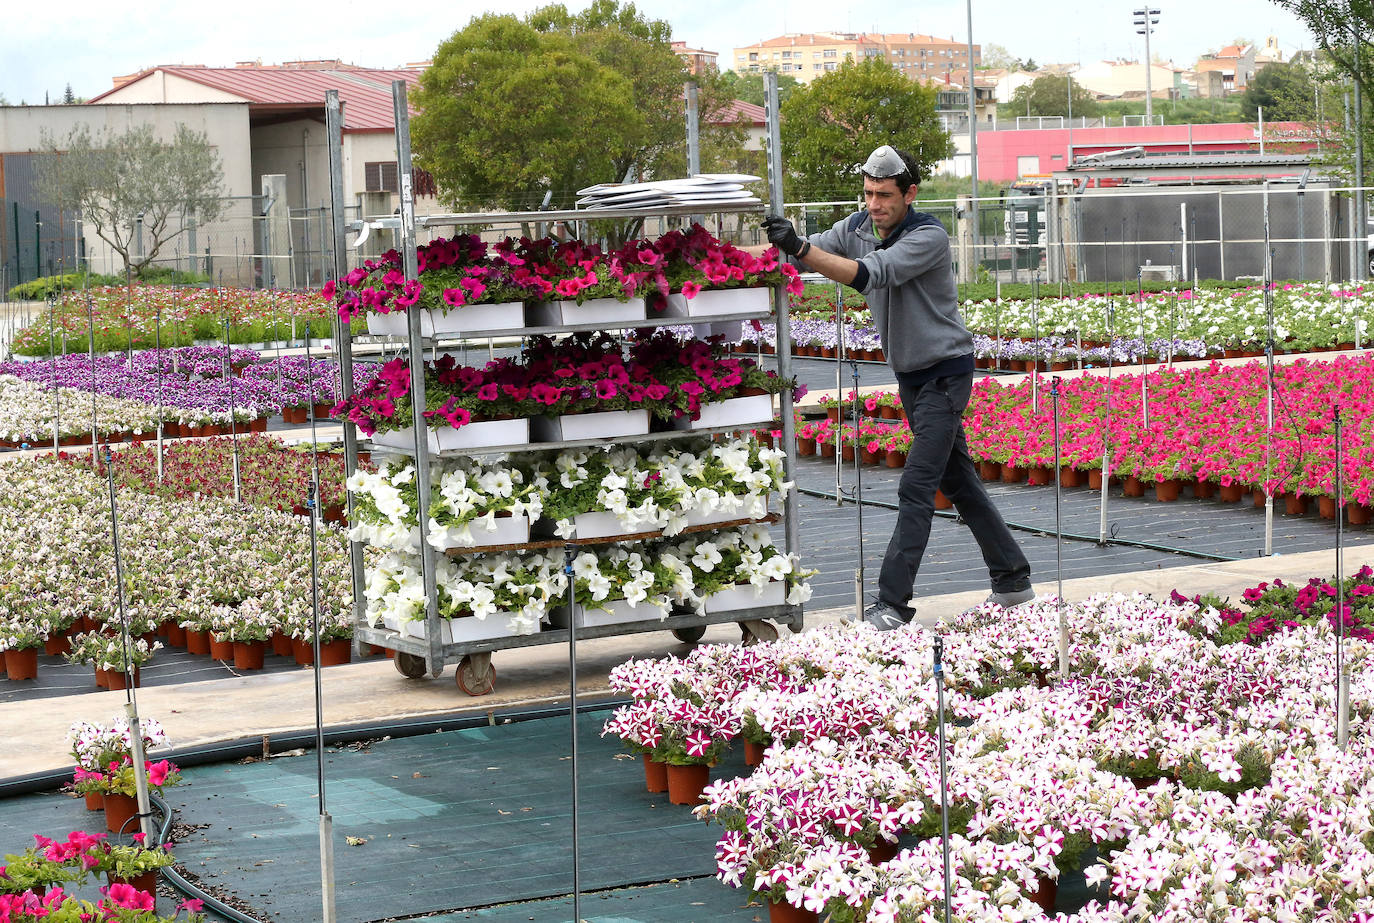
[28, 411]
[1203, 777]
[1205, 424]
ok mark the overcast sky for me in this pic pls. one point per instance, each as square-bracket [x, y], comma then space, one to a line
[86, 43]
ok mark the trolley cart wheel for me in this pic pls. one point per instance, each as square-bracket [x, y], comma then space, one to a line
[410, 666]
[690, 635]
[476, 675]
[757, 631]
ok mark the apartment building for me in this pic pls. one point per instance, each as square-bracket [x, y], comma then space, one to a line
[806, 56]
[697, 60]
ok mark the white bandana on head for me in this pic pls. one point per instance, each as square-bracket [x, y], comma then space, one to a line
[883, 163]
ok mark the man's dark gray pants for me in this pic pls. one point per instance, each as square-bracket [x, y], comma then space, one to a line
[939, 458]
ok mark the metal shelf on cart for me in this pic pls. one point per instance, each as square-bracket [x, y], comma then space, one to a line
[385, 637]
[507, 333]
[571, 443]
[548, 544]
[576, 214]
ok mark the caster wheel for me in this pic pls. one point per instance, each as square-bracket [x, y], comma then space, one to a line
[757, 631]
[690, 635]
[409, 665]
[476, 675]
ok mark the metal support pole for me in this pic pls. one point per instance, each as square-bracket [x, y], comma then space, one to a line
[90, 329]
[839, 401]
[944, 771]
[233, 420]
[569, 552]
[1059, 540]
[784, 323]
[326, 822]
[1107, 427]
[973, 148]
[1359, 230]
[1144, 364]
[1269, 382]
[858, 501]
[1035, 343]
[1342, 674]
[428, 562]
[52, 381]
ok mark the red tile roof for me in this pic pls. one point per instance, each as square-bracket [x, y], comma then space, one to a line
[741, 111]
[366, 94]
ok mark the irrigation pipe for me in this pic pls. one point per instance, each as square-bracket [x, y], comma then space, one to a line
[1041, 530]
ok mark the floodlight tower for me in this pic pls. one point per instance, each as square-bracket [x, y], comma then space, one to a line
[1144, 19]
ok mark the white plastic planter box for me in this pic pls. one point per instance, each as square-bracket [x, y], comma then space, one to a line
[592, 311]
[746, 596]
[606, 424]
[621, 612]
[698, 518]
[506, 530]
[756, 409]
[473, 436]
[723, 302]
[460, 630]
[505, 316]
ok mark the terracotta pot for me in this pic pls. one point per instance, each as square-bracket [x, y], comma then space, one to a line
[258, 425]
[868, 458]
[295, 415]
[197, 642]
[221, 650]
[783, 912]
[281, 645]
[1095, 479]
[826, 448]
[882, 851]
[117, 680]
[176, 635]
[941, 501]
[322, 411]
[1070, 477]
[655, 775]
[1204, 490]
[990, 470]
[1358, 514]
[303, 651]
[685, 783]
[806, 447]
[888, 412]
[753, 753]
[145, 882]
[1326, 507]
[1296, 505]
[120, 811]
[1039, 475]
[1259, 498]
[833, 413]
[22, 664]
[849, 453]
[828, 352]
[894, 458]
[102, 678]
[95, 801]
[1167, 491]
[1046, 894]
[1134, 487]
[249, 655]
[1013, 474]
[334, 513]
[1230, 493]
[57, 645]
[334, 653]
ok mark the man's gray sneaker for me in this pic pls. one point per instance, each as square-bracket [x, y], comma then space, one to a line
[1012, 599]
[884, 618]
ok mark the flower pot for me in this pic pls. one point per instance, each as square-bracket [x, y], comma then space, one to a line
[1167, 491]
[1095, 479]
[1070, 477]
[322, 410]
[176, 635]
[783, 912]
[221, 650]
[720, 302]
[478, 435]
[1013, 474]
[1134, 486]
[120, 811]
[735, 411]
[591, 311]
[1046, 894]
[828, 352]
[685, 783]
[655, 775]
[888, 412]
[941, 501]
[281, 645]
[753, 753]
[248, 655]
[894, 458]
[334, 513]
[1040, 475]
[102, 678]
[334, 653]
[1326, 507]
[303, 651]
[197, 642]
[1259, 498]
[1204, 490]
[882, 851]
[806, 447]
[95, 801]
[295, 415]
[848, 452]
[57, 645]
[257, 425]
[826, 448]
[117, 680]
[145, 882]
[868, 458]
[990, 470]
[1296, 505]
[1358, 514]
[1230, 493]
[22, 664]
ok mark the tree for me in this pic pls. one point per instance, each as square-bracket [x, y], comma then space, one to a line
[831, 126]
[68, 97]
[998, 56]
[1284, 90]
[121, 181]
[1049, 95]
[513, 108]
[750, 88]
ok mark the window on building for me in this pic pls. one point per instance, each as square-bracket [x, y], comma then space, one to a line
[815, 54]
[787, 54]
[830, 65]
[831, 53]
[753, 56]
[381, 176]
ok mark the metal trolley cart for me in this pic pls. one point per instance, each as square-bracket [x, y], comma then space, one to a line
[414, 657]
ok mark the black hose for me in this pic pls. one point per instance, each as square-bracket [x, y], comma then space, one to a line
[191, 890]
[1040, 530]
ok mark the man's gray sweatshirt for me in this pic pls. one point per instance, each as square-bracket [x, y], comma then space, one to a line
[908, 282]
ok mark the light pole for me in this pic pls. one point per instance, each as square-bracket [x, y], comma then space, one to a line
[1145, 18]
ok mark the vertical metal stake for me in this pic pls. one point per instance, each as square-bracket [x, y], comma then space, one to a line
[1342, 674]
[568, 553]
[233, 420]
[326, 822]
[944, 772]
[858, 501]
[1059, 540]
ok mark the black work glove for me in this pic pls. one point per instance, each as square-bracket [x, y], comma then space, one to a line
[782, 235]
